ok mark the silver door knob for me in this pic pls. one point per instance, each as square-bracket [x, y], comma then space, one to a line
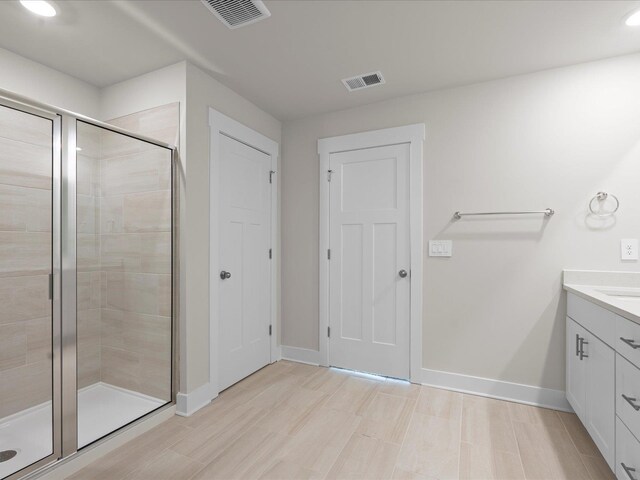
[224, 275]
[402, 273]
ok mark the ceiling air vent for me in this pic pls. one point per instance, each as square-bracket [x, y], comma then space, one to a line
[363, 81]
[238, 13]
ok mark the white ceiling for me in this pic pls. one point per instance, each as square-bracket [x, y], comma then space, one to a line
[291, 63]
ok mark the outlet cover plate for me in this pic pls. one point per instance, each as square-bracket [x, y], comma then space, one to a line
[629, 249]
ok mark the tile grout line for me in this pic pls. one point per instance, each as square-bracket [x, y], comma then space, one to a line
[515, 436]
[575, 447]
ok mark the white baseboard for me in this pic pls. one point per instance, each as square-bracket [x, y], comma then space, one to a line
[302, 355]
[486, 387]
[189, 403]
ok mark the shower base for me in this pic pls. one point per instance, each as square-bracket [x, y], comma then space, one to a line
[102, 408]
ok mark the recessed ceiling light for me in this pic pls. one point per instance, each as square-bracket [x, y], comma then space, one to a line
[633, 19]
[39, 7]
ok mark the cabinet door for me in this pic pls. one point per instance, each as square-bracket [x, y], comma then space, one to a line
[599, 360]
[576, 381]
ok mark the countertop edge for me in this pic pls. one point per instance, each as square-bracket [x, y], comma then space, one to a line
[577, 290]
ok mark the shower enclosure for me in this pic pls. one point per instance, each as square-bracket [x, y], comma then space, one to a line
[86, 282]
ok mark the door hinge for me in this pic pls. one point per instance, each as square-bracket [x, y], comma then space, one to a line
[270, 330]
[329, 332]
[270, 254]
[271, 172]
[329, 172]
[328, 254]
[51, 286]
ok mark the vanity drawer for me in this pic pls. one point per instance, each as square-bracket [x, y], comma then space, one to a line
[627, 453]
[599, 321]
[628, 395]
[628, 340]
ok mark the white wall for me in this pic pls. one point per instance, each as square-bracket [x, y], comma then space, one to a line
[550, 139]
[25, 77]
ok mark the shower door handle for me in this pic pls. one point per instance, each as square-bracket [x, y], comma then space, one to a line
[224, 275]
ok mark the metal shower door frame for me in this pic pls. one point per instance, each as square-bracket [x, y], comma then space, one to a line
[64, 270]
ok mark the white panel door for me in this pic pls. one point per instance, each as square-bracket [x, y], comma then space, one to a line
[245, 290]
[369, 311]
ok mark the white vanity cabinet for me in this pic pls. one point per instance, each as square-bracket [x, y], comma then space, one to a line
[603, 380]
[591, 386]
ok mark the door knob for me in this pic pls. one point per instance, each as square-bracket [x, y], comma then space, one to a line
[224, 275]
[402, 273]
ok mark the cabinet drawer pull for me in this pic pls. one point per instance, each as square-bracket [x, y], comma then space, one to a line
[630, 342]
[582, 344]
[630, 401]
[577, 344]
[628, 471]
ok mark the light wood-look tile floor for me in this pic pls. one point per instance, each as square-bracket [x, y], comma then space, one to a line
[295, 421]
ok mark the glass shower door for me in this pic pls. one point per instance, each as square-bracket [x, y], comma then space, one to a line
[124, 279]
[29, 150]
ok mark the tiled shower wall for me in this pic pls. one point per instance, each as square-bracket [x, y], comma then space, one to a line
[127, 232]
[25, 260]
[124, 256]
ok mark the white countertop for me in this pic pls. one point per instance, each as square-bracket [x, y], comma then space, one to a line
[618, 292]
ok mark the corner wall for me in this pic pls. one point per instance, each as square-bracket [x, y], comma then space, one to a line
[550, 139]
[34, 80]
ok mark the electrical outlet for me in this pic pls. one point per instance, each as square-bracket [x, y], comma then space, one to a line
[629, 249]
[440, 248]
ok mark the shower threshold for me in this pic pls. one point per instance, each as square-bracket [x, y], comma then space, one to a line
[102, 409]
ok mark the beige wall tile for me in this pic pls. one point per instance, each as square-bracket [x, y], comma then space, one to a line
[121, 367]
[111, 214]
[145, 171]
[88, 175]
[161, 123]
[88, 220]
[13, 345]
[25, 209]
[88, 252]
[24, 253]
[25, 165]
[24, 387]
[139, 292]
[24, 298]
[39, 339]
[147, 212]
[88, 139]
[24, 127]
[89, 362]
[88, 290]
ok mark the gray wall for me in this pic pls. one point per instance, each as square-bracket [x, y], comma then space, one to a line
[550, 139]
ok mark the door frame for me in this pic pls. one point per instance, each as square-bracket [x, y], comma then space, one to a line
[221, 124]
[414, 135]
